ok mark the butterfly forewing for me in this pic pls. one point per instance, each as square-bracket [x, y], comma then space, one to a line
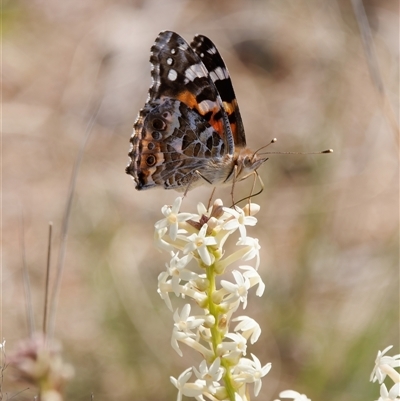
[179, 73]
[219, 74]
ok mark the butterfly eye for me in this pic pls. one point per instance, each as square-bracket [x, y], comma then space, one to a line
[158, 124]
[247, 161]
[151, 160]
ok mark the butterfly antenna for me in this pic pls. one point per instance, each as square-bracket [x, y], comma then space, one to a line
[263, 147]
[298, 153]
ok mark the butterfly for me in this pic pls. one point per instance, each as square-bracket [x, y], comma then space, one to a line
[190, 131]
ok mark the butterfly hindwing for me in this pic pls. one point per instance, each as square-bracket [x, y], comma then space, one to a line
[173, 145]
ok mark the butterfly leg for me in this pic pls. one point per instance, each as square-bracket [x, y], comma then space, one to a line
[211, 197]
[252, 188]
[253, 195]
[190, 182]
[202, 176]
[233, 185]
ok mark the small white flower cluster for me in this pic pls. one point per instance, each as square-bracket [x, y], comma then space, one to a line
[39, 361]
[224, 372]
[385, 366]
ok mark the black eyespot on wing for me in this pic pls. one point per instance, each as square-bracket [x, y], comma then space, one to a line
[159, 124]
[151, 160]
[157, 136]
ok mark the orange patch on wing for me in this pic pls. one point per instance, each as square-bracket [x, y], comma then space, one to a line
[188, 98]
[230, 107]
[219, 127]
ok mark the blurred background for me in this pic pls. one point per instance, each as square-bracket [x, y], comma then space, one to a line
[328, 224]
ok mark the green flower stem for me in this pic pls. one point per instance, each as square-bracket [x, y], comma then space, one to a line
[216, 336]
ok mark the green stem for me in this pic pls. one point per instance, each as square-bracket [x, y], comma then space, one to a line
[216, 337]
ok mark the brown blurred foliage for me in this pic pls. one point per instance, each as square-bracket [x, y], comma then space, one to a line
[328, 224]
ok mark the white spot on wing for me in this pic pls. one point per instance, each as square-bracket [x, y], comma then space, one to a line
[219, 73]
[205, 106]
[173, 51]
[169, 61]
[212, 50]
[172, 75]
[195, 71]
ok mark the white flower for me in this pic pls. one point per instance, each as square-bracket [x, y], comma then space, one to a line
[390, 395]
[238, 290]
[177, 336]
[164, 287]
[251, 209]
[199, 242]
[238, 343]
[160, 242]
[176, 269]
[211, 374]
[259, 373]
[184, 388]
[254, 279]
[239, 221]
[384, 365]
[172, 218]
[201, 209]
[252, 372]
[186, 323]
[249, 328]
[189, 341]
[253, 251]
[293, 395]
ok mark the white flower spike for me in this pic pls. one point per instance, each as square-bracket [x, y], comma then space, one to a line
[224, 371]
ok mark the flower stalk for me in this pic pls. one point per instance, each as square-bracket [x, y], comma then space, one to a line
[224, 372]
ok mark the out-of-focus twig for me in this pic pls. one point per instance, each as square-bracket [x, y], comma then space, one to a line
[68, 207]
[27, 284]
[372, 62]
[65, 223]
[46, 290]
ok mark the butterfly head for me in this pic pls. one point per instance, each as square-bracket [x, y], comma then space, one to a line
[247, 162]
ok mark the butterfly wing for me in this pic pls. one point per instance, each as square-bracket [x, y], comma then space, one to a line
[178, 73]
[175, 148]
[212, 60]
[183, 134]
